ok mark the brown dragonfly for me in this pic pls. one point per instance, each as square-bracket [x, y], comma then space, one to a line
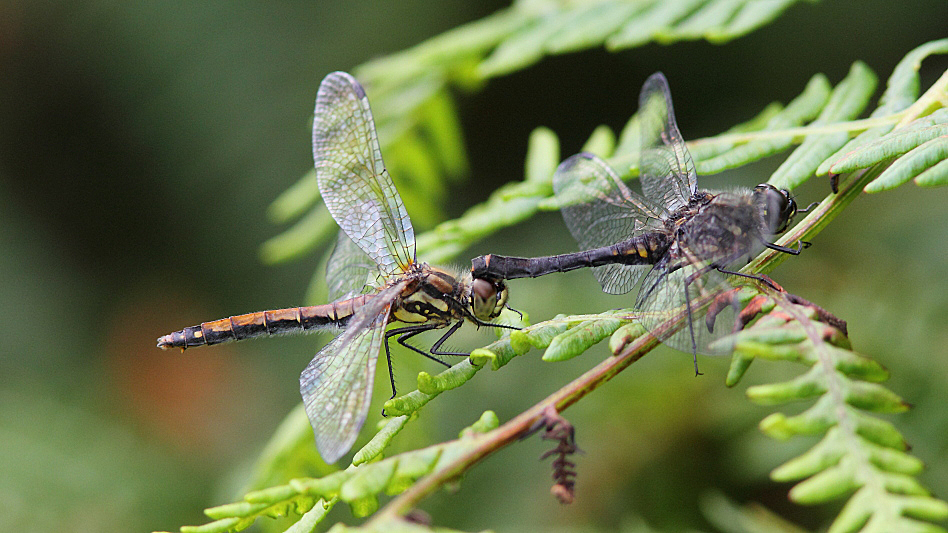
[375, 252]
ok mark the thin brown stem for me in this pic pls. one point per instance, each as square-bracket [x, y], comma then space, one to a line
[512, 430]
[606, 370]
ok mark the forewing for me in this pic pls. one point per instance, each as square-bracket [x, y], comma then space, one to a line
[352, 178]
[337, 384]
[600, 210]
[666, 168]
[348, 269]
[662, 298]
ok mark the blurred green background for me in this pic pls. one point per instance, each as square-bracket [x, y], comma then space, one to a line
[141, 142]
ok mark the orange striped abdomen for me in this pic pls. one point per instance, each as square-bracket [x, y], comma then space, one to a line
[275, 322]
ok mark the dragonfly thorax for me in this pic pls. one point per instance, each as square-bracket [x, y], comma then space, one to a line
[723, 229]
[432, 295]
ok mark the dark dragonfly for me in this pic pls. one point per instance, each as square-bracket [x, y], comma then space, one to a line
[683, 239]
[375, 250]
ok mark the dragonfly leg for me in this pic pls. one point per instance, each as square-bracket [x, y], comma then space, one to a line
[404, 334]
[481, 323]
[408, 332]
[809, 207]
[691, 329]
[436, 349]
[515, 311]
[758, 277]
[787, 250]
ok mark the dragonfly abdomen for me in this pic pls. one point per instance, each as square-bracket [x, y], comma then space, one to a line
[260, 323]
[640, 250]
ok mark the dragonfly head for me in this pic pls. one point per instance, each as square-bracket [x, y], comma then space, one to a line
[488, 298]
[777, 207]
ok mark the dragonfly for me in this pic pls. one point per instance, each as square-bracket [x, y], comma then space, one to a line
[372, 274]
[684, 240]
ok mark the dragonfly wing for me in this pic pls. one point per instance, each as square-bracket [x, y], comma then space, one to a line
[666, 169]
[348, 270]
[662, 298]
[337, 384]
[352, 178]
[600, 210]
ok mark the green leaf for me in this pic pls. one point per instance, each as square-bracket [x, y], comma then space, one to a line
[487, 422]
[821, 457]
[874, 397]
[442, 128]
[913, 164]
[602, 142]
[543, 155]
[878, 431]
[814, 420]
[888, 147]
[656, 20]
[710, 18]
[702, 150]
[580, 338]
[846, 102]
[801, 109]
[226, 524]
[624, 337]
[800, 388]
[934, 176]
[308, 522]
[309, 232]
[380, 441]
[294, 201]
[538, 336]
[902, 87]
[825, 486]
[364, 484]
[449, 379]
[751, 16]
[435, 385]
[526, 47]
[593, 26]
[901, 91]
[239, 509]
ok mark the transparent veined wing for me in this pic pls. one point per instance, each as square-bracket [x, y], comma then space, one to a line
[352, 178]
[667, 290]
[600, 210]
[666, 169]
[337, 384]
[348, 270]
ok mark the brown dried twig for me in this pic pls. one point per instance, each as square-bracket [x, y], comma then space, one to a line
[564, 474]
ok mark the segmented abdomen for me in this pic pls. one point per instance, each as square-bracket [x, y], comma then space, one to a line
[274, 322]
[644, 249]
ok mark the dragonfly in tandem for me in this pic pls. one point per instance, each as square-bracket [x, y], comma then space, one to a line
[375, 251]
[685, 240]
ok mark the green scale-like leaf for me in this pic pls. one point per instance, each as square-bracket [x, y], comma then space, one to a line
[417, 121]
[901, 91]
[917, 161]
[801, 109]
[357, 486]
[893, 144]
[845, 103]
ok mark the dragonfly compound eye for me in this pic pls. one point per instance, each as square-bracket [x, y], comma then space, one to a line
[488, 298]
[778, 208]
